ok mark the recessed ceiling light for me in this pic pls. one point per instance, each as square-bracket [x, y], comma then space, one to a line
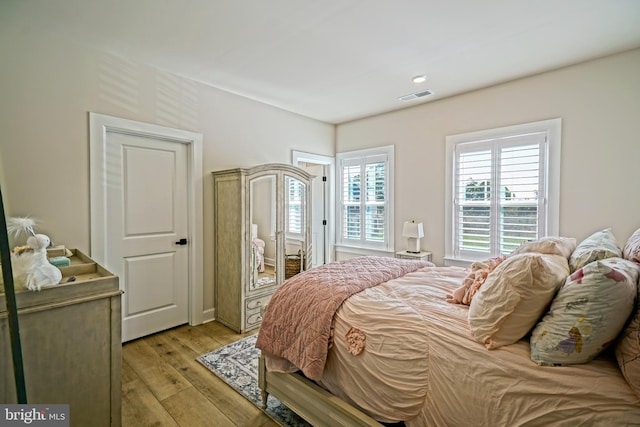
[419, 79]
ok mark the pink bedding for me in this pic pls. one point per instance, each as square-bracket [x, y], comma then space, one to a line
[297, 325]
[420, 364]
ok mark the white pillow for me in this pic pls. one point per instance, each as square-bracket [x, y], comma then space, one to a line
[551, 245]
[514, 297]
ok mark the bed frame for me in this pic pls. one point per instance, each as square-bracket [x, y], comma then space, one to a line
[313, 403]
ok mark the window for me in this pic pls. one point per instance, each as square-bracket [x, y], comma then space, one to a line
[294, 208]
[365, 203]
[504, 188]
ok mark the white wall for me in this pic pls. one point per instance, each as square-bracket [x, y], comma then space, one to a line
[599, 103]
[49, 86]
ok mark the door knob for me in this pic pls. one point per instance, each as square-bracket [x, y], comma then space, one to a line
[181, 242]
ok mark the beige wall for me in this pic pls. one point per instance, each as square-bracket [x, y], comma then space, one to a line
[599, 103]
[49, 86]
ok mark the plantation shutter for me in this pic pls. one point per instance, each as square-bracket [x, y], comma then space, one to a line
[491, 223]
[351, 182]
[375, 202]
[473, 201]
[364, 199]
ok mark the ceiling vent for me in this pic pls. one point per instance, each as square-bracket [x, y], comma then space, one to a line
[414, 96]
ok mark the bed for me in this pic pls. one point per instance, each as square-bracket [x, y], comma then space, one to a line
[397, 348]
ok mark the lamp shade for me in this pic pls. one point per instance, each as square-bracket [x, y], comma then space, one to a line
[412, 229]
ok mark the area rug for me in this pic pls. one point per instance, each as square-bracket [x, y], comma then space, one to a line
[237, 365]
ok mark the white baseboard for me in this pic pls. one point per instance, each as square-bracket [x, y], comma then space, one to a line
[208, 315]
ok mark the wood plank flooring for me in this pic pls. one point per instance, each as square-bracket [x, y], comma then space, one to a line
[164, 385]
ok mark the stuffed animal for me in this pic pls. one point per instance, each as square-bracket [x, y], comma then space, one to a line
[31, 268]
[474, 280]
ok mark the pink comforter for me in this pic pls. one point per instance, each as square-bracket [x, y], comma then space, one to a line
[297, 323]
[422, 365]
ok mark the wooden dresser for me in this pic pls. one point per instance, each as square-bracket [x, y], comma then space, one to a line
[71, 345]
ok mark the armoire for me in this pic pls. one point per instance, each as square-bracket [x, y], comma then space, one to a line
[262, 227]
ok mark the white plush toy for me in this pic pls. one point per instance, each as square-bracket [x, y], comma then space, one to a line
[31, 268]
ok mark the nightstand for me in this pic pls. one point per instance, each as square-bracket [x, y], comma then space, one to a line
[423, 256]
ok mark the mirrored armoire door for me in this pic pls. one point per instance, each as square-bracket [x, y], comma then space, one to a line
[262, 237]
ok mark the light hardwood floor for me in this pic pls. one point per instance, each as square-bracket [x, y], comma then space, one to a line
[164, 385]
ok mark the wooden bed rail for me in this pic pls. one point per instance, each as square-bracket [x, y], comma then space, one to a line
[310, 401]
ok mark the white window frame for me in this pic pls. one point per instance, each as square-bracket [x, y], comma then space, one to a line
[550, 176]
[364, 246]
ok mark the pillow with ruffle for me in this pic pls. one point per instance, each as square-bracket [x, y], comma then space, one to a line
[587, 314]
[631, 249]
[514, 297]
[600, 245]
[551, 245]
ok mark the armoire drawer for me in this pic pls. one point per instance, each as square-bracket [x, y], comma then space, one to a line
[257, 302]
[253, 313]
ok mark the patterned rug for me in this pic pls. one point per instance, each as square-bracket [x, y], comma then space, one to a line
[237, 365]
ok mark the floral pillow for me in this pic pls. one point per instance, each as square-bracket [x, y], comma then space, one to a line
[587, 314]
[631, 250]
[514, 297]
[600, 245]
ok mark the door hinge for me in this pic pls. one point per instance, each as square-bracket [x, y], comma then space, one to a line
[324, 222]
[324, 179]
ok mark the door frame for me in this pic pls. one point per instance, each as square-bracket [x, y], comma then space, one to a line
[298, 157]
[99, 125]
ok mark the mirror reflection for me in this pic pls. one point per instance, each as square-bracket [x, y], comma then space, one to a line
[295, 226]
[262, 196]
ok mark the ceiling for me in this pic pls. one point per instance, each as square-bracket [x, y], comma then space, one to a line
[339, 60]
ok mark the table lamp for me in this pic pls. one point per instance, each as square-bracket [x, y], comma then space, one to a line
[413, 232]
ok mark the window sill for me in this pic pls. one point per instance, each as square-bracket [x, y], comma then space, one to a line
[356, 250]
[457, 262]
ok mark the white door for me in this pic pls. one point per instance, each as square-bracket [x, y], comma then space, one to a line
[146, 195]
[318, 212]
[147, 211]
